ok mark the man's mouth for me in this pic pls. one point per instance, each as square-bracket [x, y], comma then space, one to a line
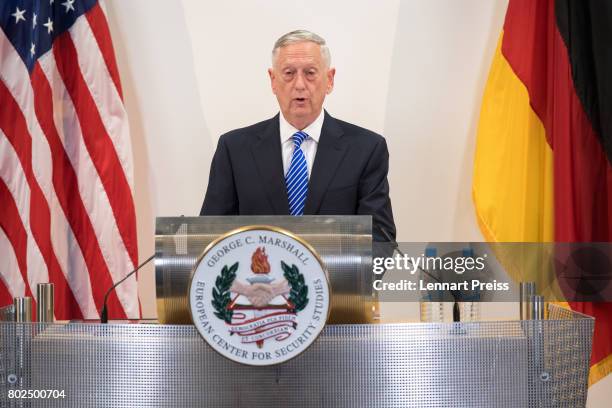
[300, 99]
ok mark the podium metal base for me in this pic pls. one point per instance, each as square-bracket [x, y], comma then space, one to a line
[480, 364]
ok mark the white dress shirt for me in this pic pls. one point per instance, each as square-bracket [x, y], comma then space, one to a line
[308, 146]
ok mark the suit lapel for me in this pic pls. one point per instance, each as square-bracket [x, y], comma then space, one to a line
[330, 151]
[268, 159]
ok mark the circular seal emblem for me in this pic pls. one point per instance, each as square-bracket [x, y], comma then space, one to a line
[259, 295]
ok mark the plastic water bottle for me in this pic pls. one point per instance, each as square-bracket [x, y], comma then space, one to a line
[431, 311]
[469, 311]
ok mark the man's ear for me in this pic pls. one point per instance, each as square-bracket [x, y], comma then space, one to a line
[271, 75]
[330, 79]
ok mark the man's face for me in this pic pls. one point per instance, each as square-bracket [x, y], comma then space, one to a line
[300, 80]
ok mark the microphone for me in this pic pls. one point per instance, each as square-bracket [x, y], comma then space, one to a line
[390, 240]
[104, 311]
[456, 312]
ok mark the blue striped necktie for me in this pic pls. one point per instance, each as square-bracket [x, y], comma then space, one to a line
[297, 176]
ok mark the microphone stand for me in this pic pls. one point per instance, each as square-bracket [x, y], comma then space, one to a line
[104, 311]
[456, 312]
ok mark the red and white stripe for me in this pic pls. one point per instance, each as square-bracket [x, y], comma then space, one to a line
[66, 211]
[15, 219]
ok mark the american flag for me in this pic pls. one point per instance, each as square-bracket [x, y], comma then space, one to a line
[66, 175]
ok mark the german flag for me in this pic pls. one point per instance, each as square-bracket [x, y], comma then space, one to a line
[542, 170]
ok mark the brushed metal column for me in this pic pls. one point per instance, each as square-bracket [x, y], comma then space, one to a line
[45, 302]
[527, 290]
[23, 309]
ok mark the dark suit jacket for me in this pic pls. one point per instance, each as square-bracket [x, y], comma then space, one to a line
[349, 174]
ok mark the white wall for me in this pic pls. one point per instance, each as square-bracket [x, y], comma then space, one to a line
[413, 71]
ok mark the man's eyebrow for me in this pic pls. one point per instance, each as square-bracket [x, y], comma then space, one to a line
[293, 67]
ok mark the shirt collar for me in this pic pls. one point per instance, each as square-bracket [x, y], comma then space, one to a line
[313, 130]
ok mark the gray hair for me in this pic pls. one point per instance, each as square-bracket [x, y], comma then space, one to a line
[299, 36]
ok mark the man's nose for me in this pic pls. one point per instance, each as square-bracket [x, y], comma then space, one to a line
[300, 81]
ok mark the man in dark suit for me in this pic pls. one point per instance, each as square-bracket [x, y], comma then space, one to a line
[302, 161]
